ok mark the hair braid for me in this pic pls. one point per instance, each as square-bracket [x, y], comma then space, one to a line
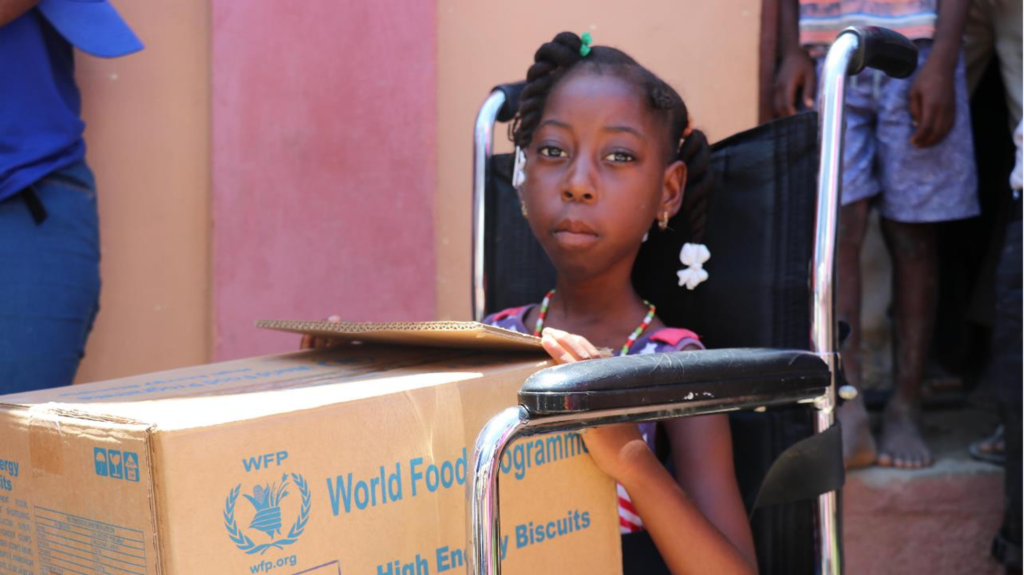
[551, 61]
[696, 154]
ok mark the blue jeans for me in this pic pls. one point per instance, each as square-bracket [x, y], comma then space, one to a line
[49, 280]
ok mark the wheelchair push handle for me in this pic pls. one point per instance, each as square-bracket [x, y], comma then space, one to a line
[500, 106]
[509, 108]
[855, 49]
[882, 49]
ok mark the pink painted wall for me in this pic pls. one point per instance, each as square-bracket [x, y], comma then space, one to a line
[324, 116]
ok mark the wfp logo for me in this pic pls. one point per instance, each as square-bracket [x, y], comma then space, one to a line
[266, 503]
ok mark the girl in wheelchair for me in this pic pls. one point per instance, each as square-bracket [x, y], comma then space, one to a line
[605, 157]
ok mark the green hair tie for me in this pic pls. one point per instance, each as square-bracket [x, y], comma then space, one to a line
[585, 46]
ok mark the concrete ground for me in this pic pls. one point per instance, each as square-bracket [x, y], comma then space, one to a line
[934, 521]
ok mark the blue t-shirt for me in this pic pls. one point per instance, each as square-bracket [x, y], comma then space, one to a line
[40, 127]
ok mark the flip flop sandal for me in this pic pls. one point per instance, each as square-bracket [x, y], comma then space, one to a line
[995, 457]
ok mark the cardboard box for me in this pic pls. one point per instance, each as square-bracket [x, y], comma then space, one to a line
[348, 460]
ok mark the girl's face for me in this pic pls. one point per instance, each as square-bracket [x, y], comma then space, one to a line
[596, 174]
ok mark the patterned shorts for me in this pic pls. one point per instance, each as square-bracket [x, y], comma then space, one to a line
[909, 184]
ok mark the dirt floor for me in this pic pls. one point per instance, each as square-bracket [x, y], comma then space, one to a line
[933, 521]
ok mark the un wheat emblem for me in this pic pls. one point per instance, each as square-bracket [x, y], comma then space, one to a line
[266, 500]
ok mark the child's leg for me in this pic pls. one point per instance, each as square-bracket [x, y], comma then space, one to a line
[914, 251]
[858, 445]
[922, 186]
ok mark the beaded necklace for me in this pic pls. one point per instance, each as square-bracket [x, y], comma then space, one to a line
[629, 341]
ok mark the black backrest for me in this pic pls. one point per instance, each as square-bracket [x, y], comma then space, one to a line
[760, 234]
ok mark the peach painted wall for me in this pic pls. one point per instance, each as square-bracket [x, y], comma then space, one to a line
[337, 137]
[324, 166]
[147, 118]
[707, 50]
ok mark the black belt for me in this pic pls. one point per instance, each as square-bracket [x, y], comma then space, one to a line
[35, 206]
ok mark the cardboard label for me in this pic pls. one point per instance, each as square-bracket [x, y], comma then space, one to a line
[85, 515]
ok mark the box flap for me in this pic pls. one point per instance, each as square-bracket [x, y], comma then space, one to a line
[264, 386]
[453, 334]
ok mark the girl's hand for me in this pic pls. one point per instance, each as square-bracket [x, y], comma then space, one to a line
[564, 347]
[613, 447]
[618, 450]
[314, 342]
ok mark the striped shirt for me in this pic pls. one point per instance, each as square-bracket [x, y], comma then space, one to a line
[822, 20]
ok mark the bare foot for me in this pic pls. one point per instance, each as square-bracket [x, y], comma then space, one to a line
[858, 445]
[902, 445]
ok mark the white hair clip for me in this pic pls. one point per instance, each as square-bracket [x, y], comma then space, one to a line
[519, 169]
[693, 257]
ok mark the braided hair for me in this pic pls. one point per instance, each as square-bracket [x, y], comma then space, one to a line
[557, 58]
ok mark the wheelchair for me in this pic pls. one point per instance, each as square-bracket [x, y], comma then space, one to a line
[766, 315]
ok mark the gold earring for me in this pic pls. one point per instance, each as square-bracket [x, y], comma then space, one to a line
[663, 221]
[522, 208]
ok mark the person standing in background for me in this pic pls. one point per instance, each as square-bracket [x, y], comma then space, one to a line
[994, 30]
[1006, 366]
[908, 149]
[49, 227]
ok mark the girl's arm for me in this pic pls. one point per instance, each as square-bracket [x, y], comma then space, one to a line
[702, 457]
[698, 524]
[699, 527]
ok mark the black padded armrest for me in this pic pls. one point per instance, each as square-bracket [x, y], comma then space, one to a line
[678, 377]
